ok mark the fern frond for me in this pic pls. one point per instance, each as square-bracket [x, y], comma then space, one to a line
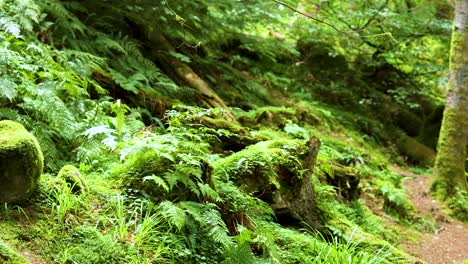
[173, 214]
[8, 89]
[158, 181]
[210, 221]
[11, 27]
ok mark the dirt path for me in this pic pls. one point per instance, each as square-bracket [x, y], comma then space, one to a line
[449, 244]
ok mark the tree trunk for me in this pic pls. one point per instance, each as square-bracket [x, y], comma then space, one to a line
[181, 70]
[449, 168]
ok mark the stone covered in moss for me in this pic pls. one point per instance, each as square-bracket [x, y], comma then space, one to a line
[277, 172]
[21, 162]
[73, 178]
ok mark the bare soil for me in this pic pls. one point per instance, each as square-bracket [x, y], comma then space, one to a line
[449, 243]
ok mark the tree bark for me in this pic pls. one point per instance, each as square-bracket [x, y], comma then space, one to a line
[449, 168]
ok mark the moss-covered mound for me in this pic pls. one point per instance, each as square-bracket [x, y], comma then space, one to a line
[72, 177]
[278, 172]
[21, 162]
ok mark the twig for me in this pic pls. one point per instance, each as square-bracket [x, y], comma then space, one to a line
[312, 17]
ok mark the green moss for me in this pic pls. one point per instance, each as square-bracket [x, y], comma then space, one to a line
[221, 123]
[346, 180]
[449, 168]
[416, 151]
[10, 256]
[21, 162]
[73, 178]
[278, 116]
[277, 172]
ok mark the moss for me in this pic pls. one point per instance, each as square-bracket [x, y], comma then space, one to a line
[8, 255]
[73, 178]
[346, 180]
[221, 123]
[416, 151]
[21, 162]
[277, 172]
[279, 116]
[449, 168]
[231, 136]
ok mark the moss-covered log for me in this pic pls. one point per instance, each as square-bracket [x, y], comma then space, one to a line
[21, 162]
[449, 170]
[415, 151]
[180, 70]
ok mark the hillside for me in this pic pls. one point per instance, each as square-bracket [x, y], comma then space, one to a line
[225, 132]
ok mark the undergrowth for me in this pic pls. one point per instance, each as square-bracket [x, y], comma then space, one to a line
[182, 184]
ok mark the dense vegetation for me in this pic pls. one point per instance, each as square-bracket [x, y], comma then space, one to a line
[223, 131]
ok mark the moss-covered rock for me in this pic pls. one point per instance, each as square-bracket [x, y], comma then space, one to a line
[21, 162]
[71, 176]
[277, 172]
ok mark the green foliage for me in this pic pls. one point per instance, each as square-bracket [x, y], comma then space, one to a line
[93, 247]
[10, 256]
[459, 205]
[75, 73]
[167, 165]
[63, 202]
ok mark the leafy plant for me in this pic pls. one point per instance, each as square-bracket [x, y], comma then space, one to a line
[63, 201]
[459, 205]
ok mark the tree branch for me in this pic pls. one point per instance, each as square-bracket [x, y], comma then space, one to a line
[312, 17]
[374, 16]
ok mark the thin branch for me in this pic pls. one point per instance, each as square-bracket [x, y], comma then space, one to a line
[311, 17]
[374, 16]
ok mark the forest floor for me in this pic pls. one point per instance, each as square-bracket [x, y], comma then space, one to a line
[449, 242]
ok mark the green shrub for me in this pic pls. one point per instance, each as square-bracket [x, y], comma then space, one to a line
[459, 205]
[169, 166]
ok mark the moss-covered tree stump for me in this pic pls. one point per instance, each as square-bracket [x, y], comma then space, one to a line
[21, 162]
[279, 173]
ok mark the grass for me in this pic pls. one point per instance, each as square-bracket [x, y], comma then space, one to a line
[352, 252]
[63, 201]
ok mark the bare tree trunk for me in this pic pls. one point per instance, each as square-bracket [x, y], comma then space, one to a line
[449, 168]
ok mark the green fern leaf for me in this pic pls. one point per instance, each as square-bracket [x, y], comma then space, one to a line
[8, 89]
[158, 181]
[173, 214]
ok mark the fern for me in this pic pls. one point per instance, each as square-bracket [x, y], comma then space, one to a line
[9, 89]
[173, 214]
[10, 27]
[158, 181]
[68, 24]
